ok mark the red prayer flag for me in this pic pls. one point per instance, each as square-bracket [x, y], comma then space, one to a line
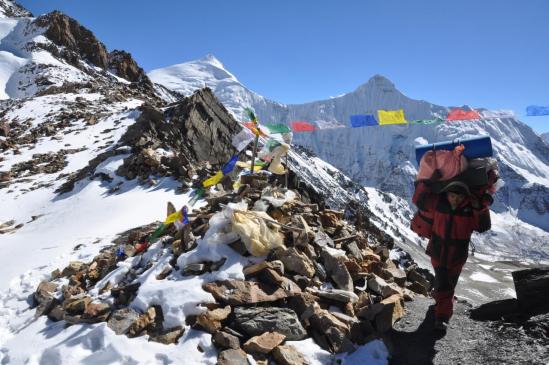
[302, 127]
[460, 114]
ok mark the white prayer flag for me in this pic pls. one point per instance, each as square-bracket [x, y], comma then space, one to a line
[494, 114]
[242, 139]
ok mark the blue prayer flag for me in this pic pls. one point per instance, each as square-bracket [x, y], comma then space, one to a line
[185, 216]
[536, 110]
[363, 120]
[229, 166]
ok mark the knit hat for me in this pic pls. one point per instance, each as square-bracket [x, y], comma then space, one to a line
[457, 187]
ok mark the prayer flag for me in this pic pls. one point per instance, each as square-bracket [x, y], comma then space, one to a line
[213, 180]
[460, 114]
[391, 117]
[328, 124]
[254, 128]
[427, 121]
[173, 217]
[185, 216]
[536, 110]
[246, 165]
[301, 126]
[251, 115]
[229, 166]
[242, 139]
[278, 128]
[493, 114]
[362, 120]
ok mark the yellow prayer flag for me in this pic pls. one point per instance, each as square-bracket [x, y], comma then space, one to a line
[213, 180]
[173, 217]
[247, 165]
[391, 117]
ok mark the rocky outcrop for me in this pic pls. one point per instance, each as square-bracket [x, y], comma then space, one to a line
[13, 10]
[77, 41]
[122, 64]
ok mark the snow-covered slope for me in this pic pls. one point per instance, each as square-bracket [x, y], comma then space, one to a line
[383, 157]
[545, 137]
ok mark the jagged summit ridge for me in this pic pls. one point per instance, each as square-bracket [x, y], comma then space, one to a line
[12, 9]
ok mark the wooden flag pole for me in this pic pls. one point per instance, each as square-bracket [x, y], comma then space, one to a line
[254, 153]
[287, 169]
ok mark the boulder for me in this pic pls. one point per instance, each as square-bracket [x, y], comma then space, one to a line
[323, 240]
[76, 304]
[381, 287]
[168, 336]
[45, 291]
[336, 295]
[336, 269]
[332, 329]
[288, 355]
[296, 262]
[125, 294]
[395, 274]
[264, 343]
[255, 269]
[331, 218]
[258, 320]
[143, 322]
[232, 357]
[223, 340]
[240, 292]
[73, 268]
[389, 310]
[122, 319]
[210, 321]
[96, 312]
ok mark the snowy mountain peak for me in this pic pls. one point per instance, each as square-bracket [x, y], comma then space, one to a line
[188, 77]
[10, 9]
[212, 60]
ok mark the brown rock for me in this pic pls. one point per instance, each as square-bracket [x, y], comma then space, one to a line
[253, 270]
[232, 357]
[76, 305]
[335, 328]
[264, 343]
[391, 310]
[297, 262]
[96, 312]
[168, 336]
[143, 322]
[331, 218]
[210, 321]
[240, 292]
[223, 340]
[381, 287]
[45, 291]
[397, 275]
[336, 269]
[288, 355]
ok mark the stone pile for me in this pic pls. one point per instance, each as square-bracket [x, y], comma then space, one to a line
[328, 280]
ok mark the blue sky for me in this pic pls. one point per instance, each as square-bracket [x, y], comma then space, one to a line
[488, 53]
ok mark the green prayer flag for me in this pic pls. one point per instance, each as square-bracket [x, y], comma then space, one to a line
[428, 121]
[157, 233]
[278, 128]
